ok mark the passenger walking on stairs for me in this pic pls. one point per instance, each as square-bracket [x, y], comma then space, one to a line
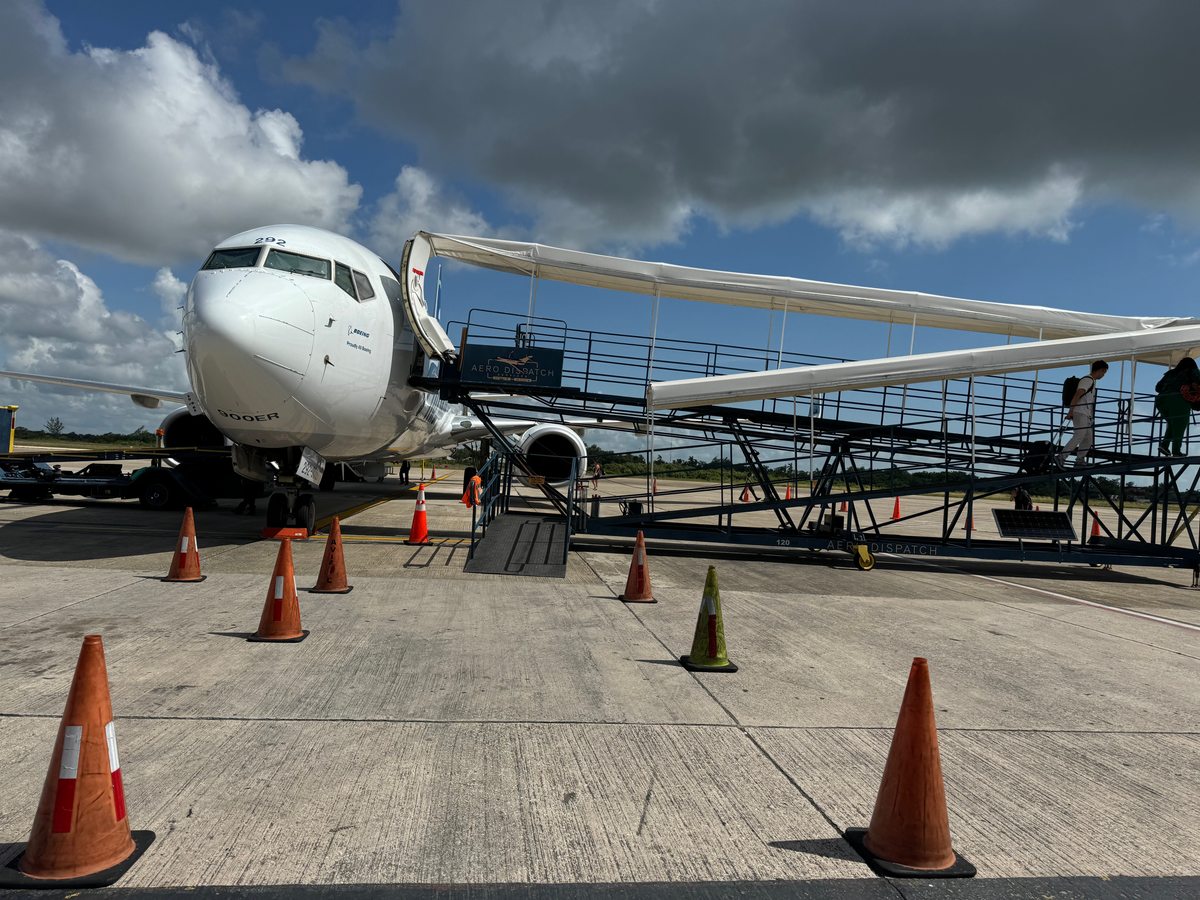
[1177, 391]
[1081, 410]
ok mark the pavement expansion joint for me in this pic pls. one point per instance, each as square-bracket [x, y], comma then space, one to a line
[737, 726]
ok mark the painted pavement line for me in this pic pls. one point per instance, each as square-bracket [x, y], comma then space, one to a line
[355, 510]
[1117, 609]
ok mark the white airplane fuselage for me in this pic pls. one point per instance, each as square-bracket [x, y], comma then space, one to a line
[280, 355]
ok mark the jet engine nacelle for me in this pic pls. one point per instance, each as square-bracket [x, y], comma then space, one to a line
[182, 429]
[550, 450]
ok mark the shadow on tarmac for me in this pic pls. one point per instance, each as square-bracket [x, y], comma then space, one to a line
[831, 848]
[77, 530]
[77, 533]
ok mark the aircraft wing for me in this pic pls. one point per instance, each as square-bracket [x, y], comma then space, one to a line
[1165, 346]
[144, 397]
[780, 292]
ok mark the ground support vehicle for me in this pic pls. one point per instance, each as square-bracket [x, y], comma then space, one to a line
[175, 477]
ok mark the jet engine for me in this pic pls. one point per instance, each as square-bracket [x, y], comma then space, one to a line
[182, 429]
[550, 450]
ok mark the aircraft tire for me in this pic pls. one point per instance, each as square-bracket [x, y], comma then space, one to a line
[306, 512]
[277, 510]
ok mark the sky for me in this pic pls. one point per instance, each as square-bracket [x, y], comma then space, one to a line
[1006, 151]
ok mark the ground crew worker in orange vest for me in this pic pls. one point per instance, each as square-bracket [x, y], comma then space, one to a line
[471, 497]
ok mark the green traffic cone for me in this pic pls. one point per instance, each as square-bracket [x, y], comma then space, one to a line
[708, 646]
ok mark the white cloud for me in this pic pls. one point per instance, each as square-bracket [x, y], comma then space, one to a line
[938, 217]
[54, 320]
[420, 202]
[170, 290]
[146, 155]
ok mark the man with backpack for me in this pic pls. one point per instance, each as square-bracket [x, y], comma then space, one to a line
[1081, 410]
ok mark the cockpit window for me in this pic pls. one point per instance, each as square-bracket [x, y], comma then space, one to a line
[341, 277]
[285, 261]
[363, 283]
[238, 258]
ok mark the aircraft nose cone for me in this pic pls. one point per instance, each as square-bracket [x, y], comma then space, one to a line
[249, 336]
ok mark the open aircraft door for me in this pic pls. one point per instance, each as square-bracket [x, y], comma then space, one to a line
[429, 332]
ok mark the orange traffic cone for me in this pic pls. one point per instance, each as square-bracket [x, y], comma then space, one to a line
[656, 485]
[81, 827]
[185, 563]
[708, 644]
[746, 494]
[909, 834]
[419, 532]
[637, 585]
[896, 509]
[1095, 525]
[280, 622]
[845, 507]
[788, 495]
[969, 525]
[433, 474]
[332, 577]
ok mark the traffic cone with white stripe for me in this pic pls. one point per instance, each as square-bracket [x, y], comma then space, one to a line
[185, 563]
[708, 645]
[81, 827]
[332, 577]
[637, 585]
[419, 533]
[280, 622]
[909, 834]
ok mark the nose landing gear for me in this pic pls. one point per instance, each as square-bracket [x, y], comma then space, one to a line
[290, 507]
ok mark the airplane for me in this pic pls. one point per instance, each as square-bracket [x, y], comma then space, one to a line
[300, 344]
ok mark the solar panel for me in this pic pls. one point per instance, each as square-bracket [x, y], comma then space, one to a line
[1028, 524]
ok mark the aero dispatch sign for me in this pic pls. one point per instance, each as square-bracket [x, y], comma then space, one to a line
[513, 366]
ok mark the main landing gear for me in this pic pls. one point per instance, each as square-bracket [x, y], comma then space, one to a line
[290, 507]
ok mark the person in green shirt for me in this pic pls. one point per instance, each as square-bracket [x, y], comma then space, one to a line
[1177, 390]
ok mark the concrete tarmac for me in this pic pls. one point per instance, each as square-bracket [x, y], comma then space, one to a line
[536, 737]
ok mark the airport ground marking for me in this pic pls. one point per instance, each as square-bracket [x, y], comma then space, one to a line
[355, 510]
[1068, 598]
[1150, 617]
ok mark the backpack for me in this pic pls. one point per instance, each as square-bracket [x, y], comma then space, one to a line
[1070, 386]
[1191, 393]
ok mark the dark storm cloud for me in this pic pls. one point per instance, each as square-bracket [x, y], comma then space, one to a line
[888, 120]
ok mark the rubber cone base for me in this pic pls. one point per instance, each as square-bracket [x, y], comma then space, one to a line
[623, 600]
[184, 580]
[960, 869]
[687, 664]
[254, 638]
[12, 877]
[319, 591]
